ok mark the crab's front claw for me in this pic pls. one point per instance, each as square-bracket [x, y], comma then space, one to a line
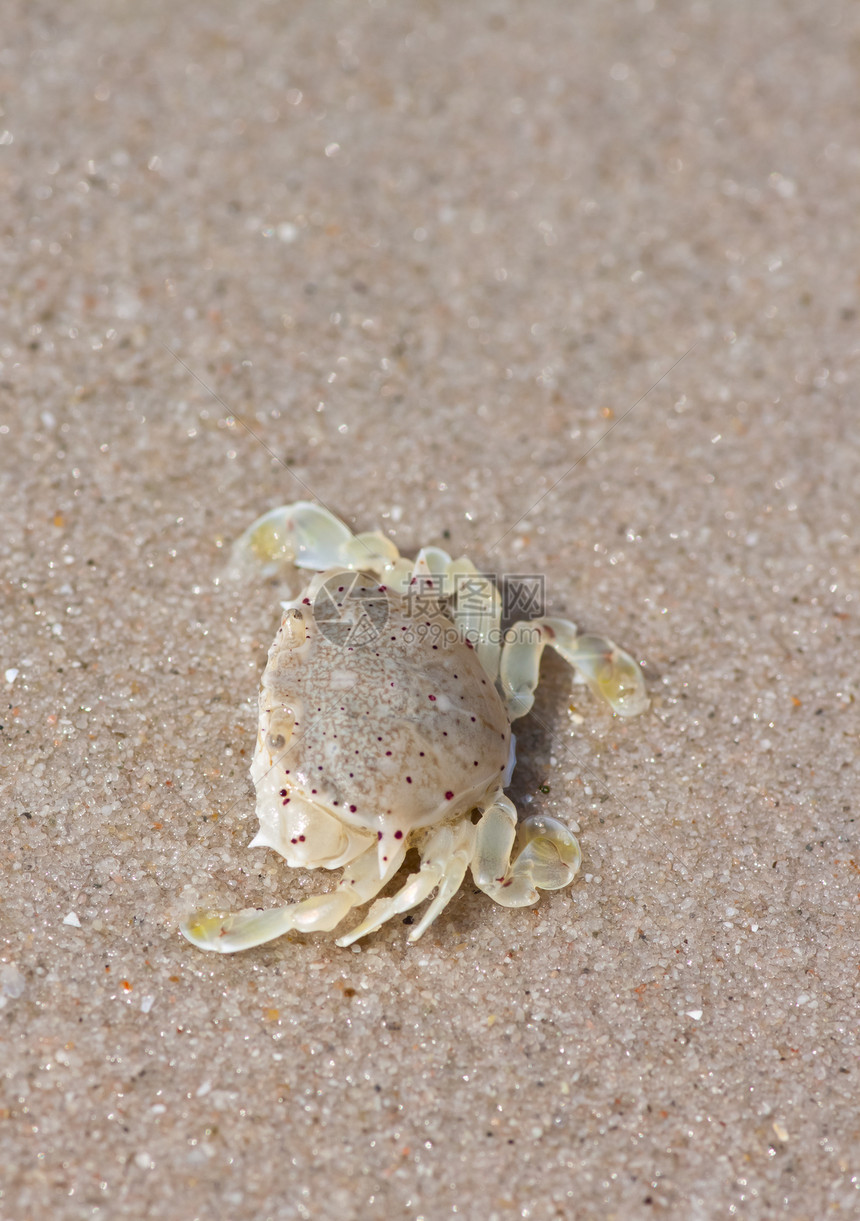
[513, 862]
[307, 535]
[612, 674]
[302, 534]
[546, 852]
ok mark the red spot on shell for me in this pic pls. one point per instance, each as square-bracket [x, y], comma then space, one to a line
[398, 835]
[448, 795]
[408, 779]
[432, 697]
[353, 809]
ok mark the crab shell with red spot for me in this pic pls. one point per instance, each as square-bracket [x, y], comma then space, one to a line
[374, 740]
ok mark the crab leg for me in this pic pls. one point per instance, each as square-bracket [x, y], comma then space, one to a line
[431, 566]
[422, 580]
[445, 856]
[548, 858]
[477, 612]
[450, 883]
[318, 913]
[611, 673]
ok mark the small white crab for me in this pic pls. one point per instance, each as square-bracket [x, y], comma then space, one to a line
[385, 725]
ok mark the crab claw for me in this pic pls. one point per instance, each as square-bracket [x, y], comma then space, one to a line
[612, 674]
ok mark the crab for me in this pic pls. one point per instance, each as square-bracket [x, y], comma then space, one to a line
[385, 725]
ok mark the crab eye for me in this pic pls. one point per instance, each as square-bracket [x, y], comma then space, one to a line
[280, 729]
[293, 629]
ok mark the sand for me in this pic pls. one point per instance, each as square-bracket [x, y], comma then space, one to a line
[571, 288]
